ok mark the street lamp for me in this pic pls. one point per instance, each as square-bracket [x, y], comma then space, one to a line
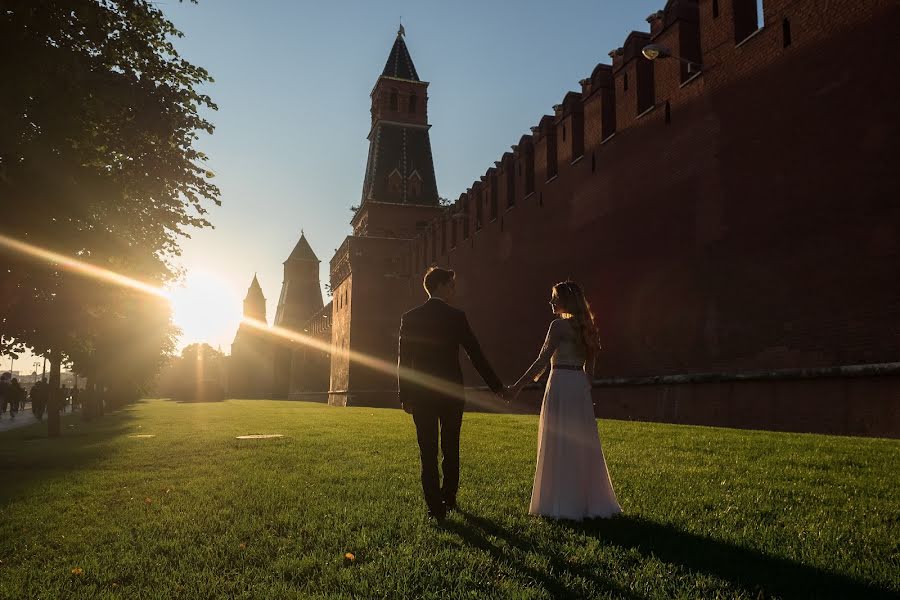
[654, 51]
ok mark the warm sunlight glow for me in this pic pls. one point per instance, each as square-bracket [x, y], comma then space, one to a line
[365, 360]
[80, 267]
[206, 308]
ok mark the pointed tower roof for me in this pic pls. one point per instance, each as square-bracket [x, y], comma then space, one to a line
[254, 301]
[254, 289]
[303, 251]
[399, 63]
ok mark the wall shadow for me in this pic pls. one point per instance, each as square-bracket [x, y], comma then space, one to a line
[757, 573]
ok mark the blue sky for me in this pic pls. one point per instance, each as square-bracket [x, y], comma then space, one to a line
[292, 81]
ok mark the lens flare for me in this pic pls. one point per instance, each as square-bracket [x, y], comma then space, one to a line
[389, 368]
[80, 267]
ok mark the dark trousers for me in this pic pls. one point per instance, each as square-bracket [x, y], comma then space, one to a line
[432, 422]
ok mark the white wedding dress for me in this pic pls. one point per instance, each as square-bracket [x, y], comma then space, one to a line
[571, 480]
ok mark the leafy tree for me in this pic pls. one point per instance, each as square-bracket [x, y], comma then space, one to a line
[98, 120]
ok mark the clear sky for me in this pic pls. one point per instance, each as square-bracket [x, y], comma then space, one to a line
[292, 81]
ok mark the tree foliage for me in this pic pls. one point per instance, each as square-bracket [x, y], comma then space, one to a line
[99, 116]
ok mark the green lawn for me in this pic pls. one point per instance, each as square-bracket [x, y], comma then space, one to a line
[194, 513]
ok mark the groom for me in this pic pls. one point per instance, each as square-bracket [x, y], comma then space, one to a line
[431, 384]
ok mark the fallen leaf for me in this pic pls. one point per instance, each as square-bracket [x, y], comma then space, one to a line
[77, 571]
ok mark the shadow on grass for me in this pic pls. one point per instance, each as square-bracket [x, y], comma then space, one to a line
[476, 532]
[751, 570]
[29, 458]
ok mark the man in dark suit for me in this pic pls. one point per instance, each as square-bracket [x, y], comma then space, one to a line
[431, 384]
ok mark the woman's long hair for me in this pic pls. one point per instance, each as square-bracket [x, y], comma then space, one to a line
[572, 301]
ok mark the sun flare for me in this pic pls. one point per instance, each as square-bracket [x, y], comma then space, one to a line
[206, 308]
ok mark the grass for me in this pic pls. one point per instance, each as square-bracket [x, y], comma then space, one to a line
[195, 513]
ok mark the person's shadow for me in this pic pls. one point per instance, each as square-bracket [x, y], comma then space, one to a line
[756, 573]
[476, 532]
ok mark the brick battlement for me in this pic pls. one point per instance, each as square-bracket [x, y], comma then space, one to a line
[639, 87]
[731, 213]
[678, 197]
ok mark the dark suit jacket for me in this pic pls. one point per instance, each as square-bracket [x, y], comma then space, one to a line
[428, 368]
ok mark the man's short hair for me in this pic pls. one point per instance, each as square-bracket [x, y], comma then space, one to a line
[436, 277]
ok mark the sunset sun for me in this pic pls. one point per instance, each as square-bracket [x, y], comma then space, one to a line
[205, 307]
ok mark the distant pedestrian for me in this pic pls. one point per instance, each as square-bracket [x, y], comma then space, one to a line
[76, 398]
[18, 395]
[5, 393]
[39, 398]
[63, 397]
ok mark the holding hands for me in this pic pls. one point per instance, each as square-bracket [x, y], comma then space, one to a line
[510, 392]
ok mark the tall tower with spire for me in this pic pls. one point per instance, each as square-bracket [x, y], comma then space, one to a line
[371, 282]
[301, 292]
[400, 167]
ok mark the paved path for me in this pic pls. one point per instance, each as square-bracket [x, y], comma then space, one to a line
[23, 418]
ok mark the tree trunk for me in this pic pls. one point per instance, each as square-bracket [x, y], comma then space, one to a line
[53, 419]
[87, 399]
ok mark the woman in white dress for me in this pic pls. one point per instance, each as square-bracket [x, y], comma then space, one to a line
[571, 480]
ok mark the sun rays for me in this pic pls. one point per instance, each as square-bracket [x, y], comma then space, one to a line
[80, 267]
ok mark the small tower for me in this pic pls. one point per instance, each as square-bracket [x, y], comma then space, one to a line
[255, 302]
[301, 292]
[400, 169]
[251, 364]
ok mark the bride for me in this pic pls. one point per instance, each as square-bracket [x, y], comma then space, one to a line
[571, 480]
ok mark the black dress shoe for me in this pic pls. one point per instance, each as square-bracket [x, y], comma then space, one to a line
[450, 504]
[437, 513]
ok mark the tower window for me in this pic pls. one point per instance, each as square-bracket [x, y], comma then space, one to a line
[668, 113]
[529, 170]
[593, 162]
[552, 163]
[577, 134]
[748, 18]
[393, 101]
[608, 112]
[414, 185]
[625, 81]
[786, 32]
[413, 101]
[715, 8]
[395, 182]
[646, 92]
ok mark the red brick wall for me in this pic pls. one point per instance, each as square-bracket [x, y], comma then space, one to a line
[758, 229]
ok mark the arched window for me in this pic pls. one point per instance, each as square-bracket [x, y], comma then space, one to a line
[395, 182]
[394, 104]
[413, 102]
[414, 185]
